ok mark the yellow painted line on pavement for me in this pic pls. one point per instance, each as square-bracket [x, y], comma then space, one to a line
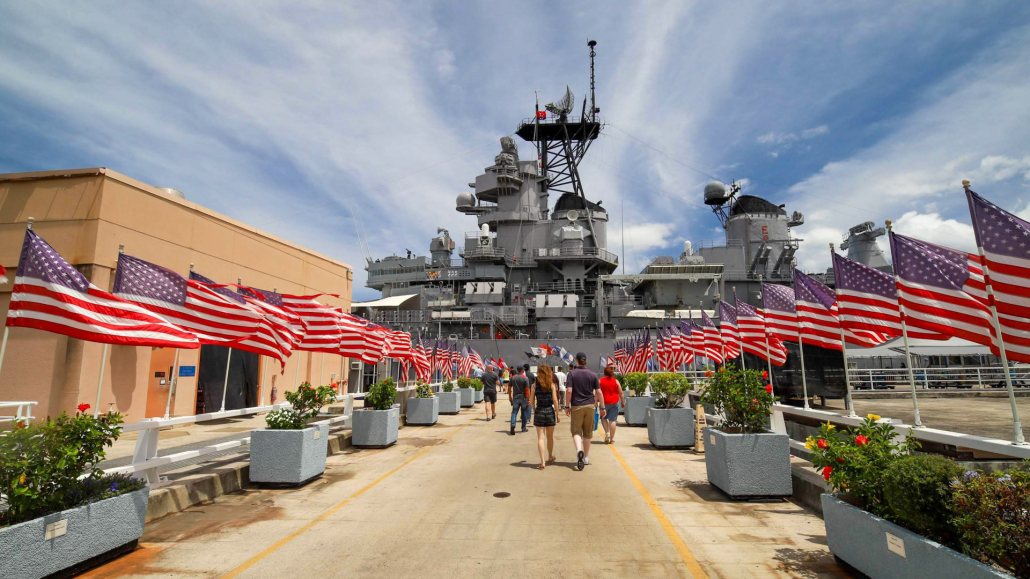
[278, 544]
[688, 558]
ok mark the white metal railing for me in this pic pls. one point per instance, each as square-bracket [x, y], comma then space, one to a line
[951, 377]
[22, 412]
[145, 459]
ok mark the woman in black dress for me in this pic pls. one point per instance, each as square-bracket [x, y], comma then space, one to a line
[544, 400]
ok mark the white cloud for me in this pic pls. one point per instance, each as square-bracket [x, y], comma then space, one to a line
[815, 132]
[931, 227]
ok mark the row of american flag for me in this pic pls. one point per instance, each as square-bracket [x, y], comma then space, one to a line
[151, 305]
[937, 292]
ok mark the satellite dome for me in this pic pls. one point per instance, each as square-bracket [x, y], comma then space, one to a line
[465, 200]
[716, 193]
[172, 192]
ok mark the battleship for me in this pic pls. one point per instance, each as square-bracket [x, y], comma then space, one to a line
[535, 271]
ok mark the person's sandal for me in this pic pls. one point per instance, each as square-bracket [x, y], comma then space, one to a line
[551, 460]
[540, 467]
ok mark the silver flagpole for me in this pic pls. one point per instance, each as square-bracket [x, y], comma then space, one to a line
[228, 360]
[171, 383]
[721, 340]
[765, 332]
[844, 352]
[7, 329]
[100, 382]
[801, 346]
[904, 336]
[741, 340]
[321, 369]
[296, 374]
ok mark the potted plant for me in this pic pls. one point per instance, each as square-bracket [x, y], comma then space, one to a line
[289, 450]
[637, 403]
[669, 425]
[376, 425]
[468, 397]
[895, 514]
[424, 408]
[450, 401]
[62, 512]
[742, 456]
[477, 386]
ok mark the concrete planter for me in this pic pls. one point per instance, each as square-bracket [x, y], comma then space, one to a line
[450, 402]
[468, 397]
[748, 465]
[96, 531]
[669, 428]
[625, 394]
[881, 550]
[376, 428]
[636, 410]
[423, 411]
[479, 396]
[288, 456]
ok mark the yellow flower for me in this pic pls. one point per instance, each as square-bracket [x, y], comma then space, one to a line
[830, 426]
[872, 416]
[809, 444]
[21, 480]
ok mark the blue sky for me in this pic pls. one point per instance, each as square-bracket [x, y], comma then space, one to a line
[291, 116]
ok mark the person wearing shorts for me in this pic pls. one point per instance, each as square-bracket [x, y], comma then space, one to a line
[583, 396]
[489, 380]
[613, 398]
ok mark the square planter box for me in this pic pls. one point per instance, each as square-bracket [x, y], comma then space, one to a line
[479, 396]
[669, 428]
[468, 397]
[422, 411]
[450, 402]
[881, 549]
[288, 456]
[625, 394]
[748, 465]
[636, 410]
[96, 531]
[376, 428]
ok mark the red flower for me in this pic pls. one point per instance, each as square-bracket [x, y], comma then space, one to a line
[709, 373]
[721, 370]
[861, 440]
[826, 472]
[765, 375]
[83, 407]
[840, 460]
[768, 388]
[822, 444]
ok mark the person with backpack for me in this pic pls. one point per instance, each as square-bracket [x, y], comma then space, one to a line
[518, 395]
[584, 398]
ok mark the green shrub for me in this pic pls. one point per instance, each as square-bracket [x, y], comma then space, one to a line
[637, 382]
[41, 465]
[381, 396]
[423, 390]
[992, 514]
[448, 386]
[855, 461]
[305, 403]
[740, 396]
[669, 389]
[464, 382]
[918, 491]
[477, 384]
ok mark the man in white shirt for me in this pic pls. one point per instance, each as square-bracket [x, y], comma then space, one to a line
[560, 376]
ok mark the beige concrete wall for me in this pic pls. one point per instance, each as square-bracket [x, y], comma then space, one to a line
[85, 215]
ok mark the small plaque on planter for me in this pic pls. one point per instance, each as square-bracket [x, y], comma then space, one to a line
[55, 530]
[318, 434]
[711, 439]
[896, 545]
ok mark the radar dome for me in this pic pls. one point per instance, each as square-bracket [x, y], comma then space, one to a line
[465, 200]
[172, 192]
[716, 193]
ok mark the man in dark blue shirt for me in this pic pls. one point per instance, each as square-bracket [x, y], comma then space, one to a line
[583, 395]
[517, 387]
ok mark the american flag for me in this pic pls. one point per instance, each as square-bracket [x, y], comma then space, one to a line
[663, 351]
[399, 345]
[322, 329]
[50, 294]
[697, 338]
[448, 361]
[421, 361]
[713, 340]
[477, 360]
[267, 341]
[751, 322]
[867, 299]
[352, 335]
[817, 315]
[686, 343]
[781, 317]
[1004, 242]
[729, 330]
[943, 290]
[188, 304]
[464, 362]
[376, 345]
[288, 326]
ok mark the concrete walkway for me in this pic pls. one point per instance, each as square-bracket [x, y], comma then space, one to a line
[462, 499]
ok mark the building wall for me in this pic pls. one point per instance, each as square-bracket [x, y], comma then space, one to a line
[85, 215]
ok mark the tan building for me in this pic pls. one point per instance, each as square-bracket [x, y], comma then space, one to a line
[85, 214]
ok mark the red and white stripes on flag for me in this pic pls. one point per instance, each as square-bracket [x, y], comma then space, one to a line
[1004, 242]
[817, 316]
[942, 289]
[322, 330]
[352, 337]
[781, 318]
[50, 294]
[697, 340]
[728, 329]
[751, 322]
[712, 339]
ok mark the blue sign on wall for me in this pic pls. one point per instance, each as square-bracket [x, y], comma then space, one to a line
[187, 371]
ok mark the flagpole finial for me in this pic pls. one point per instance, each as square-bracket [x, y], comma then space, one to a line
[831, 246]
[121, 248]
[239, 280]
[759, 277]
[28, 223]
[966, 183]
[889, 222]
[191, 267]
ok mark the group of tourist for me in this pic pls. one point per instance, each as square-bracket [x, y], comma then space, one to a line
[584, 399]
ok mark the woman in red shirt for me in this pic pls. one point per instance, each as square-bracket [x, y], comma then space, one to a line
[613, 398]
